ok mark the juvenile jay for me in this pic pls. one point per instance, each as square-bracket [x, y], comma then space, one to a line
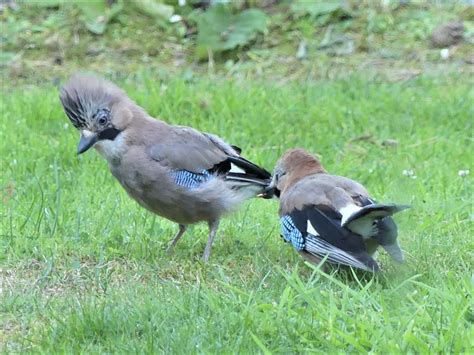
[324, 215]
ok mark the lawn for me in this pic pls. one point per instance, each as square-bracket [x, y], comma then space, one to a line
[84, 268]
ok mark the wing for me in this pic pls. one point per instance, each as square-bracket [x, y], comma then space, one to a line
[317, 230]
[184, 148]
[321, 189]
[193, 155]
[372, 212]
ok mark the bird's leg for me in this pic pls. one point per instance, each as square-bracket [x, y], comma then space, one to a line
[177, 237]
[213, 225]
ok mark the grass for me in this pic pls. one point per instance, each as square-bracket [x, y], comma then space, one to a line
[40, 43]
[84, 269]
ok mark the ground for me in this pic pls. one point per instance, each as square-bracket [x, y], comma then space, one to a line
[84, 269]
[383, 38]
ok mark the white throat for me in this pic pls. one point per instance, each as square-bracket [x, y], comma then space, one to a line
[112, 150]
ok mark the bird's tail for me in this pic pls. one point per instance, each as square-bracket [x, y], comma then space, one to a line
[248, 185]
[373, 212]
[247, 180]
[247, 177]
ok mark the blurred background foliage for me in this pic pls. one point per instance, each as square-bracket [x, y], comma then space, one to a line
[46, 39]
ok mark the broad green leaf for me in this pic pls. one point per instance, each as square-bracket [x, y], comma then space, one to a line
[315, 8]
[94, 15]
[97, 14]
[154, 8]
[220, 30]
[45, 3]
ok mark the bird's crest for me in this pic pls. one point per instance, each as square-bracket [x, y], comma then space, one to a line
[85, 96]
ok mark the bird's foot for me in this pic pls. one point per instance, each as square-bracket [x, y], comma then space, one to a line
[182, 229]
[213, 225]
[170, 248]
[206, 255]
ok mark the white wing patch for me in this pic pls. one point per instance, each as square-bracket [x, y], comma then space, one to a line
[235, 169]
[310, 229]
[348, 211]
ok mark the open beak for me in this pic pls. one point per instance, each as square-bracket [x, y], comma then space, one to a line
[88, 139]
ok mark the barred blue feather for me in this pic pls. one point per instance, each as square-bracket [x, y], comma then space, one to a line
[316, 245]
[290, 233]
[189, 179]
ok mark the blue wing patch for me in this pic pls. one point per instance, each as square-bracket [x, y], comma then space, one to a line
[290, 233]
[189, 179]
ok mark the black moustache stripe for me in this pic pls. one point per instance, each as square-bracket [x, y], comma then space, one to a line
[109, 133]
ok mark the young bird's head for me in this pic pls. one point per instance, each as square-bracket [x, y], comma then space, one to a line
[97, 108]
[294, 165]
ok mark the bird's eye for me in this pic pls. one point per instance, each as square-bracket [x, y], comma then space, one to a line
[102, 116]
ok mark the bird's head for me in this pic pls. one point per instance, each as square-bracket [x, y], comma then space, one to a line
[293, 165]
[96, 107]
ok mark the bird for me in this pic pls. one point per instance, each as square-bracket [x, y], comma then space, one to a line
[329, 216]
[176, 172]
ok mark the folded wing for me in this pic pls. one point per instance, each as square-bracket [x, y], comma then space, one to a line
[323, 236]
[194, 156]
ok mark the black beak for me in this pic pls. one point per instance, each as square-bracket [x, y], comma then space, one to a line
[270, 192]
[85, 143]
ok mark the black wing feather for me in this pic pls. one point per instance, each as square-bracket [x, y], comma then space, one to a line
[237, 149]
[252, 174]
[327, 223]
[250, 168]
